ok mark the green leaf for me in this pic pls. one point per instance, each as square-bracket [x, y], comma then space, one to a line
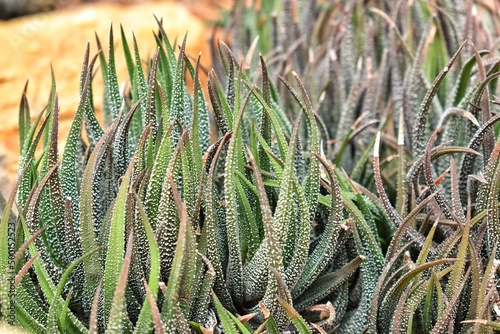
[323, 252]
[224, 316]
[235, 265]
[92, 267]
[24, 119]
[69, 179]
[56, 306]
[128, 55]
[269, 323]
[139, 90]
[121, 144]
[324, 285]
[283, 212]
[93, 322]
[160, 166]
[172, 295]
[168, 216]
[273, 116]
[311, 182]
[209, 232]
[464, 77]
[7, 226]
[144, 322]
[116, 244]
[28, 157]
[268, 253]
[155, 312]
[297, 320]
[239, 324]
[200, 122]
[46, 284]
[150, 99]
[112, 89]
[418, 139]
[301, 249]
[49, 111]
[177, 108]
[200, 307]
[117, 316]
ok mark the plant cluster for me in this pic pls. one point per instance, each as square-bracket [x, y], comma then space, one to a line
[324, 205]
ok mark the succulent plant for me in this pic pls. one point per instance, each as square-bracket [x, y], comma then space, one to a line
[139, 202]
[144, 226]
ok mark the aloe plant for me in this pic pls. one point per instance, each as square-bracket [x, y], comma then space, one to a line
[144, 226]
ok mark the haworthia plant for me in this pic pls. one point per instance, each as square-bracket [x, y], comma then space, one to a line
[353, 185]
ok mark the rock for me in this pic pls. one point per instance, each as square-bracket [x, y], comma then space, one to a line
[31, 44]
[14, 8]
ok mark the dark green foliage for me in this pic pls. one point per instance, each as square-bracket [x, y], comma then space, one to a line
[142, 226]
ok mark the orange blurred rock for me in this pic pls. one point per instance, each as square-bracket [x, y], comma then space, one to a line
[30, 44]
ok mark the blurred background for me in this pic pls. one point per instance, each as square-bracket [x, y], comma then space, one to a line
[36, 34]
